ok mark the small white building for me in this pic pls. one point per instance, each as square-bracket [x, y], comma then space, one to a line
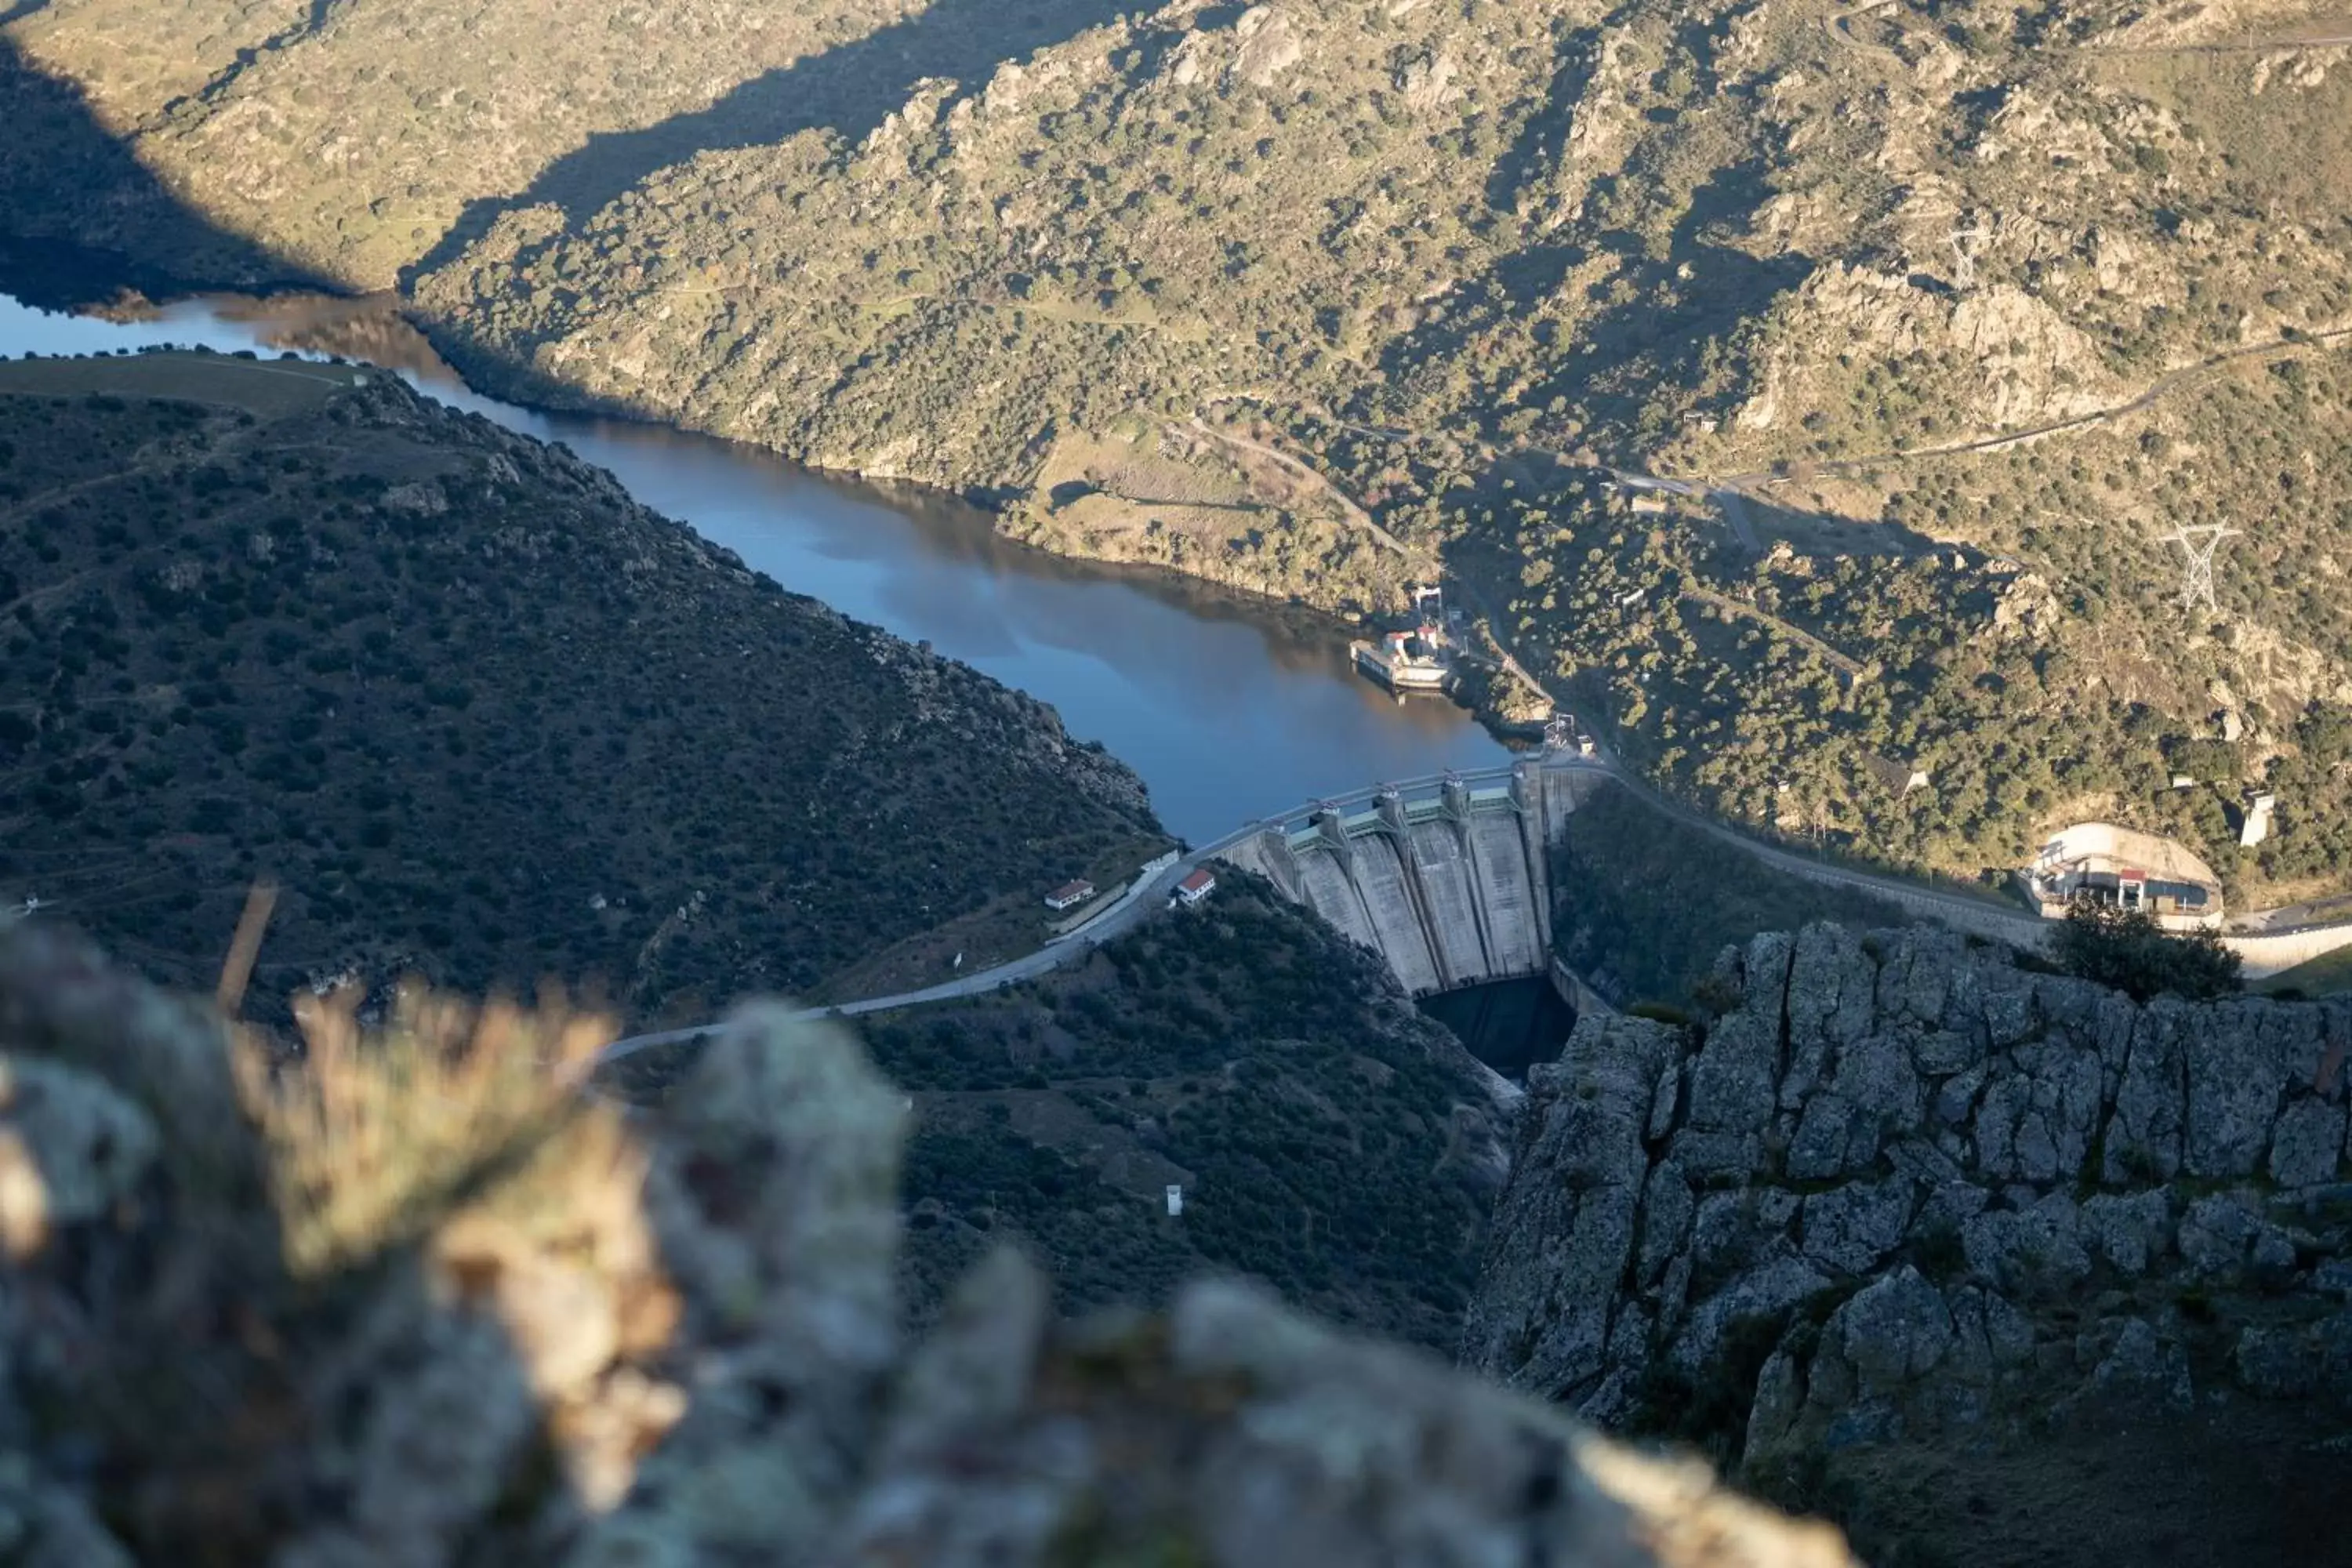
[1069, 895]
[2121, 867]
[2257, 824]
[1175, 1200]
[1197, 886]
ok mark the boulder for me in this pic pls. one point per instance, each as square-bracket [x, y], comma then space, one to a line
[1770, 1288]
[1876, 1077]
[71, 1147]
[2307, 1144]
[1915, 976]
[1949, 1207]
[1833, 986]
[1731, 1078]
[1850, 1229]
[1924, 1163]
[2275, 1258]
[1956, 1098]
[1988, 1336]
[2027, 1250]
[1729, 1234]
[2151, 1098]
[1667, 1207]
[1942, 1052]
[2236, 1078]
[2006, 1005]
[1736, 1155]
[2217, 1236]
[1893, 1332]
[1817, 1151]
[1873, 1096]
[2128, 1231]
[2036, 1123]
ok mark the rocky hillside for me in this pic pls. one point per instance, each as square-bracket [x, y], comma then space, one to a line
[241, 1331]
[1331, 1142]
[1995, 1263]
[472, 708]
[1949, 314]
[347, 137]
[1808, 248]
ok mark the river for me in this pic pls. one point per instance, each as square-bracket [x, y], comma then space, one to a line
[1229, 710]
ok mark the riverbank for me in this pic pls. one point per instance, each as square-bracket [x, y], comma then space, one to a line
[1229, 707]
[1104, 533]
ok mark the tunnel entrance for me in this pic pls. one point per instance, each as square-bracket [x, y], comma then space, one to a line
[1510, 1024]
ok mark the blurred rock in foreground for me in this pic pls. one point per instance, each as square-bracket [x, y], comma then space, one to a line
[517, 1328]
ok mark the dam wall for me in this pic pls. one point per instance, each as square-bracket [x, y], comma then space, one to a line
[1448, 878]
[2274, 952]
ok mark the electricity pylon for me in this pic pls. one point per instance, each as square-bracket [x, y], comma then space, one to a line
[2198, 543]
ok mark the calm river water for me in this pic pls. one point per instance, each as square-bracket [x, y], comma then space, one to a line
[1227, 711]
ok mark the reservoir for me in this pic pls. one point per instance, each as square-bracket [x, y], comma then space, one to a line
[1228, 708]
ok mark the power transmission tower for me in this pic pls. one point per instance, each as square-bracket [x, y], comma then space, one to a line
[1964, 268]
[2198, 543]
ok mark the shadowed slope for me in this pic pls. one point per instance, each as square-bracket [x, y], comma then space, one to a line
[849, 90]
[68, 190]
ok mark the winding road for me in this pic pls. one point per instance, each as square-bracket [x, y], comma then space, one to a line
[1151, 896]
[1356, 514]
[1148, 897]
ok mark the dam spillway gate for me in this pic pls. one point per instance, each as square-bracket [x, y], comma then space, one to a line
[1447, 879]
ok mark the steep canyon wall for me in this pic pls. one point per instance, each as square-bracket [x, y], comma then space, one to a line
[1937, 1186]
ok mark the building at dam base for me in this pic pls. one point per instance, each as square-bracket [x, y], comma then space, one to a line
[1448, 880]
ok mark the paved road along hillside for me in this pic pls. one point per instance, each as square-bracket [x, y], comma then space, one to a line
[1151, 896]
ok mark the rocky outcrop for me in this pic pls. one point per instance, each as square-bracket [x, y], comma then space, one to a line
[1865, 1192]
[674, 1340]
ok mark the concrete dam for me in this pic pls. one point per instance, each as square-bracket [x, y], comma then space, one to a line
[1448, 877]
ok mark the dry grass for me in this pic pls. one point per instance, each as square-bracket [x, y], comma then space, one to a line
[269, 388]
[375, 1136]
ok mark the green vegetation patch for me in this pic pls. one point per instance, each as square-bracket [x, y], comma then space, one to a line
[2127, 949]
[478, 713]
[1646, 903]
[1328, 1137]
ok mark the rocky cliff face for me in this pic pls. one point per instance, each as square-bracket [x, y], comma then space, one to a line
[1901, 1187]
[673, 1340]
